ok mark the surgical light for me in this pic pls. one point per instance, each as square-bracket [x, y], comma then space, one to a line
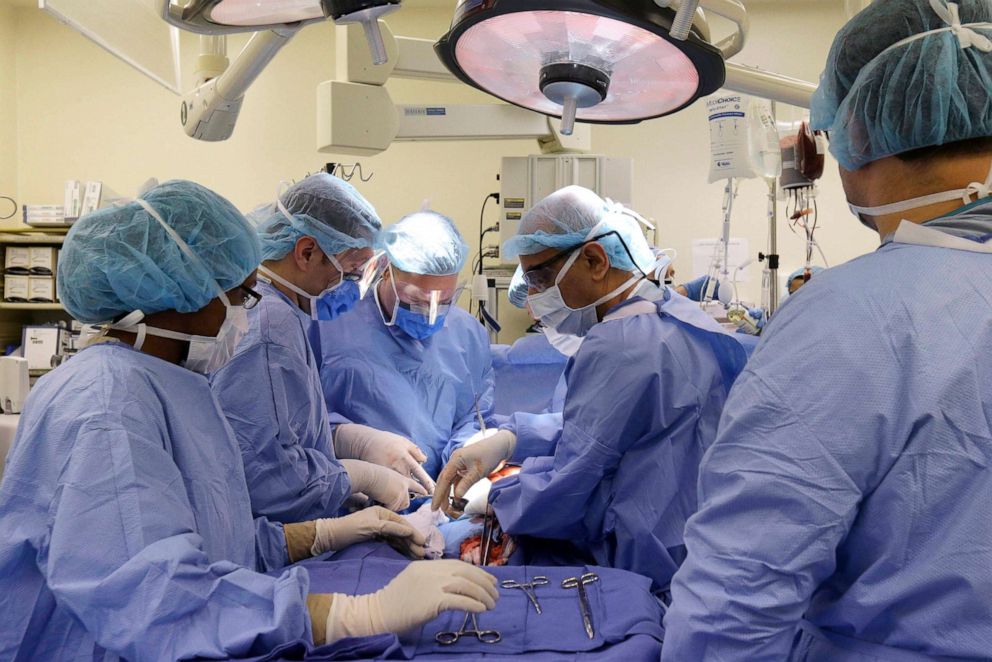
[598, 61]
[225, 16]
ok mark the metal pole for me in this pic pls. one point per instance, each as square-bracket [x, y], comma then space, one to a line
[772, 246]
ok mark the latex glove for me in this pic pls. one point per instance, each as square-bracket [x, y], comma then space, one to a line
[416, 596]
[694, 288]
[469, 465]
[758, 315]
[334, 534]
[360, 442]
[383, 485]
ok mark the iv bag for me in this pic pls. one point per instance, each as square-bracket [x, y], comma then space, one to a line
[743, 138]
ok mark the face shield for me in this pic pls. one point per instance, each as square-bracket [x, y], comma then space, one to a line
[430, 304]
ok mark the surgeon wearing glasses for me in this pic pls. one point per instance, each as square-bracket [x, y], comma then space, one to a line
[645, 389]
[408, 360]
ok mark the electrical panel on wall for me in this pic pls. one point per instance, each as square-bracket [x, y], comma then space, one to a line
[527, 180]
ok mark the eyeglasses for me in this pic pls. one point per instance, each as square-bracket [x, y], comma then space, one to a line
[541, 276]
[251, 297]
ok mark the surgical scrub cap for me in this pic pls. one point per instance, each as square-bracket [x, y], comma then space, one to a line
[799, 272]
[907, 74]
[322, 206]
[121, 259]
[565, 218]
[425, 243]
[518, 289]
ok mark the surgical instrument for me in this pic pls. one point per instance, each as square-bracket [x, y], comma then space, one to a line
[528, 589]
[478, 416]
[485, 636]
[580, 584]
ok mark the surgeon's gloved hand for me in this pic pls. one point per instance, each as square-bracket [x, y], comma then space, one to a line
[334, 534]
[417, 595]
[382, 485]
[695, 289]
[479, 436]
[758, 315]
[360, 442]
[469, 465]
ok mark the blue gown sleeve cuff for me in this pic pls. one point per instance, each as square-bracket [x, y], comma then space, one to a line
[271, 552]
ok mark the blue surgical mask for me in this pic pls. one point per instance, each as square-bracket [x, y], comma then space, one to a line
[338, 301]
[416, 325]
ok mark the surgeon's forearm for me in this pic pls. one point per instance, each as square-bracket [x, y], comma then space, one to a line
[299, 540]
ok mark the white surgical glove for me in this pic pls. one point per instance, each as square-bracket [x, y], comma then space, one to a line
[360, 442]
[382, 485]
[334, 534]
[415, 596]
[469, 465]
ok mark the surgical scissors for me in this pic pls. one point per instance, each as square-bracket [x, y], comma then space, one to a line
[528, 589]
[485, 636]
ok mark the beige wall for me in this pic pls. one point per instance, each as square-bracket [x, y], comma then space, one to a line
[83, 114]
[8, 111]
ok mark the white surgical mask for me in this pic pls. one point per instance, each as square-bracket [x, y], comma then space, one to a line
[550, 307]
[566, 345]
[976, 189]
[206, 354]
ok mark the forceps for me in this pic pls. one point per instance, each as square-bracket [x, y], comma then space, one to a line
[528, 589]
[580, 584]
[485, 636]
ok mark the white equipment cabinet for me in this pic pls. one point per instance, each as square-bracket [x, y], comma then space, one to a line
[526, 180]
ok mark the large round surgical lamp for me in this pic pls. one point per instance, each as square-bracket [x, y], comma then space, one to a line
[598, 61]
[227, 16]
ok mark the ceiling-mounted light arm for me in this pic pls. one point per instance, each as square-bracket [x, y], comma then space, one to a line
[361, 119]
[732, 10]
[367, 14]
[684, 16]
[212, 60]
[210, 112]
[768, 85]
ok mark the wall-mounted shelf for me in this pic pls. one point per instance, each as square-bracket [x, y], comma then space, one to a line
[31, 238]
[4, 305]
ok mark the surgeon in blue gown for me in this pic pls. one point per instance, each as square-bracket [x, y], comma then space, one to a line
[846, 505]
[408, 360]
[125, 525]
[315, 240]
[645, 392]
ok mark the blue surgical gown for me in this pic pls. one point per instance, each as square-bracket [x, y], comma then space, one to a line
[424, 390]
[125, 527]
[270, 393]
[851, 480]
[618, 477]
[526, 374]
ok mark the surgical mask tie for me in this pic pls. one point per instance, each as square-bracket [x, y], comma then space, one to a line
[977, 190]
[312, 298]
